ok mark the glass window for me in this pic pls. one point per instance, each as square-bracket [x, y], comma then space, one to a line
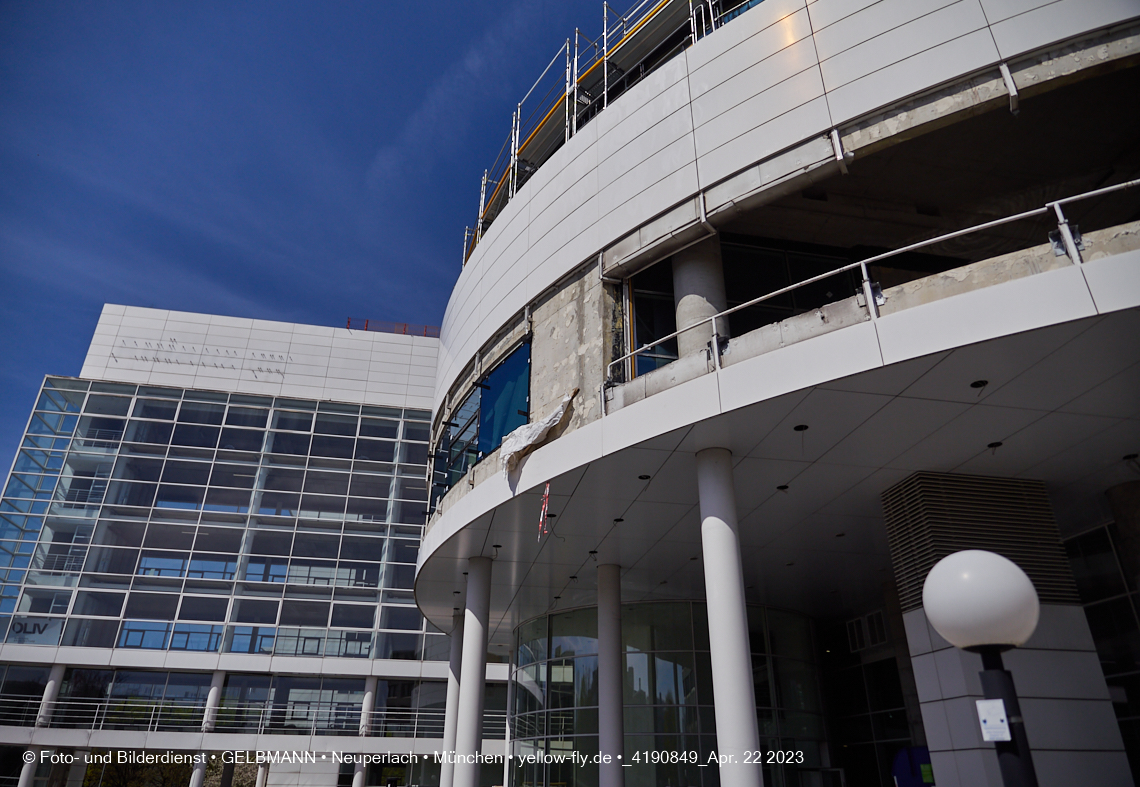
[60, 401]
[353, 616]
[505, 401]
[160, 409]
[305, 613]
[241, 439]
[219, 539]
[170, 536]
[293, 422]
[326, 483]
[149, 432]
[107, 405]
[247, 416]
[335, 424]
[254, 611]
[379, 427]
[133, 468]
[201, 413]
[203, 608]
[155, 606]
[288, 443]
[195, 436]
[97, 604]
[406, 618]
[362, 548]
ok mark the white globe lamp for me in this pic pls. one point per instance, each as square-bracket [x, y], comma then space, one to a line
[982, 602]
[976, 598]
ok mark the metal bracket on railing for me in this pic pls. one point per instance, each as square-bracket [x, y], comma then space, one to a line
[1066, 233]
[837, 148]
[1010, 86]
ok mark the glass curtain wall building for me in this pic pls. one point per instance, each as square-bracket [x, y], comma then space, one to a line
[159, 540]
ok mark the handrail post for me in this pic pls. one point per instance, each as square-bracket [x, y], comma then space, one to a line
[516, 122]
[715, 345]
[868, 293]
[566, 130]
[605, 54]
[693, 21]
[1067, 235]
[482, 201]
[574, 102]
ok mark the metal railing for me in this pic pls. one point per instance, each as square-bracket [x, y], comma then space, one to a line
[595, 71]
[127, 714]
[402, 328]
[1065, 240]
[16, 711]
[268, 717]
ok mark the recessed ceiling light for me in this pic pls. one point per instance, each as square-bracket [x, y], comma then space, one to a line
[800, 427]
[979, 383]
[574, 577]
[997, 444]
[1130, 457]
[840, 535]
[552, 516]
[455, 592]
[643, 478]
[693, 558]
[783, 487]
[496, 546]
[557, 597]
[789, 564]
[618, 520]
[593, 551]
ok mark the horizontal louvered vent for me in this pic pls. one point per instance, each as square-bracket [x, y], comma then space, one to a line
[932, 515]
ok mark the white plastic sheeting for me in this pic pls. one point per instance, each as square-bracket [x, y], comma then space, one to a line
[523, 440]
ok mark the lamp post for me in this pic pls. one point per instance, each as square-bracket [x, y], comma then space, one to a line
[984, 603]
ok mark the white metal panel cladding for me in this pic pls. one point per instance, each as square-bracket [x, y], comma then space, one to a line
[752, 89]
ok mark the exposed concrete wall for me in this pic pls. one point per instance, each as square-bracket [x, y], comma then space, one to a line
[1007, 267]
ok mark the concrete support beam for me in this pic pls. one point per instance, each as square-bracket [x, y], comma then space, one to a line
[698, 293]
[469, 730]
[451, 714]
[611, 727]
[733, 691]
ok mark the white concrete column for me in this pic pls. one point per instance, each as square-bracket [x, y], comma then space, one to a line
[78, 770]
[367, 705]
[469, 729]
[50, 695]
[198, 775]
[698, 293]
[611, 724]
[28, 772]
[358, 772]
[262, 775]
[733, 692]
[213, 701]
[451, 712]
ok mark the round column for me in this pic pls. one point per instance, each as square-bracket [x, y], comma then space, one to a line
[28, 772]
[50, 695]
[213, 700]
[698, 293]
[367, 705]
[451, 712]
[469, 729]
[198, 776]
[358, 772]
[733, 692]
[611, 724]
[262, 775]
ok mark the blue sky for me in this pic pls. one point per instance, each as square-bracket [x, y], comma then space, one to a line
[300, 161]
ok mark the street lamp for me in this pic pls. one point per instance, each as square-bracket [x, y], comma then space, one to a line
[981, 602]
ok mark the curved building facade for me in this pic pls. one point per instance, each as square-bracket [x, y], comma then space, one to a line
[779, 305]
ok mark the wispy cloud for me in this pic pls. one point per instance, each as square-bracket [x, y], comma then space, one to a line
[437, 126]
